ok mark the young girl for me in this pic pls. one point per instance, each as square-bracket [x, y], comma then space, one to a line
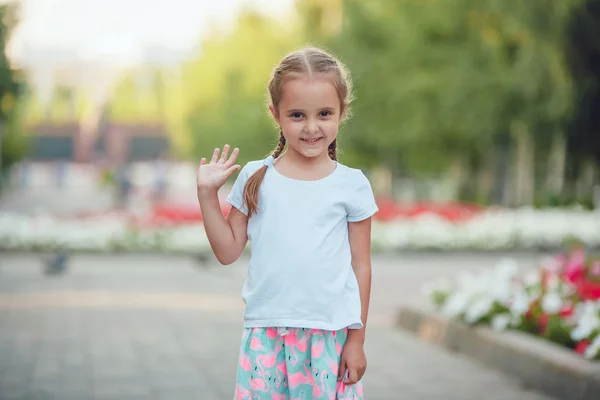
[308, 219]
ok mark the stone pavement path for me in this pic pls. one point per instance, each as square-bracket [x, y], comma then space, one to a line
[157, 327]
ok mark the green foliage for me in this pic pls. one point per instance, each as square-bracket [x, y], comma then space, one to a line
[437, 84]
[227, 88]
[438, 81]
[584, 64]
[139, 97]
[13, 144]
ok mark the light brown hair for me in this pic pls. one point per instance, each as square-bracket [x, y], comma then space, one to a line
[309, 62]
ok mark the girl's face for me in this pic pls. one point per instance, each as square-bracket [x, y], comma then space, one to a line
[309, 115]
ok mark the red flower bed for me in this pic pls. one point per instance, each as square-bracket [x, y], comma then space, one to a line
[390, 210]
[177, 215]
[578, 271]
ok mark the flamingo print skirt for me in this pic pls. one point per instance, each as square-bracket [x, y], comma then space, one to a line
[292, 364]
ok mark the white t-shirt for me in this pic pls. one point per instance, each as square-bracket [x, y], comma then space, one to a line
[300, 272]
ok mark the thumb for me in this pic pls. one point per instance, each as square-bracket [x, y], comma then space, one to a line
[342, 370]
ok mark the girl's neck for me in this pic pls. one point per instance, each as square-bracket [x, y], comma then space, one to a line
[296, 166]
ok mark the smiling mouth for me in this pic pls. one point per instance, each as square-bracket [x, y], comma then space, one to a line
[311, 140]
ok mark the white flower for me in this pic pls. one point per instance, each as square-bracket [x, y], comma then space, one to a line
[479, 309]
[552, 303]
[501, 291]
[593, 350]
[456, 304]
[507, 269]
[520, 304]
[501, 321]
[588, 320]
[491, 229]
[531, 278]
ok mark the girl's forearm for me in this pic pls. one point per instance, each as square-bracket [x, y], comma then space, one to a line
[218, 231]
[363, 276]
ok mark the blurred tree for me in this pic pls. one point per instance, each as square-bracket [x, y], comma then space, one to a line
[584, 63]
[138, 97]
[456, 83]
[225, 88]
[320, 19]
[13, 143]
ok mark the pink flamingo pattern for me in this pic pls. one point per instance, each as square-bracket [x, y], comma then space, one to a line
[294, 364]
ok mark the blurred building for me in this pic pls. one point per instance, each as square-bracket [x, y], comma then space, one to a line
[112, 143]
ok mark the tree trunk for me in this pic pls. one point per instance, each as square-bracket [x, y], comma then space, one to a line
[485, 182]
[501, 171]
[457, 177]
[524, 171]
[585, 183]
[555, 178]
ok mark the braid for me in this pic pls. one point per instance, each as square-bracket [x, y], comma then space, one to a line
[280, 146]
[252, 188]
[333, 150]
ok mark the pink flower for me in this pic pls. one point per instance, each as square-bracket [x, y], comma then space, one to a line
[556, 264]
[589, 291]
[566, 311]
[595, 269]
[582, 346]
[575, 270]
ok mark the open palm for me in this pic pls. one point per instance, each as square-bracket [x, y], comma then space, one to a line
[214, 174]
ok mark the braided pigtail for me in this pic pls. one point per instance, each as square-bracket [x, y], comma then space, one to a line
[252, 188]
[333, 150]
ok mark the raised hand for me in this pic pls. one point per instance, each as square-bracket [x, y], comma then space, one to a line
[214, 174]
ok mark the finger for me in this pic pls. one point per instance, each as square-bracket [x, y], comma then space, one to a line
[229, 171]
[203, 161]
[224, 154]
[352, 376]
[342, 370]
[361, 373]
[232, 158]
[215, 155]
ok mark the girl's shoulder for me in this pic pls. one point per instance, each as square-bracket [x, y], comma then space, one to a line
[351, 175]
[251, 167]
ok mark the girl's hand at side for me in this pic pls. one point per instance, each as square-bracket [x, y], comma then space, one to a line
[354, 361]
[214, 174]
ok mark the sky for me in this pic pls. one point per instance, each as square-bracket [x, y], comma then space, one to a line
[116, 31]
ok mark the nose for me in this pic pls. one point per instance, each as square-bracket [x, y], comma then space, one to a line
[312, 126]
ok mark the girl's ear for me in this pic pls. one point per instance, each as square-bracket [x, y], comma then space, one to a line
[274, 113]
[343, 111]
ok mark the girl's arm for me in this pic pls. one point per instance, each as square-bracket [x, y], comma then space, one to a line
[359, 234]
[227, 236]
[353, 356]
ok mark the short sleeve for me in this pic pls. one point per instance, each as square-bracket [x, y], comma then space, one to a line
[236, 196]
[362, 203]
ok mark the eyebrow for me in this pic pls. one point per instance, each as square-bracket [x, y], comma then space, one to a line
[320, 109]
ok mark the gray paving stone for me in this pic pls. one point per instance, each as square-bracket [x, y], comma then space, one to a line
[134, 347]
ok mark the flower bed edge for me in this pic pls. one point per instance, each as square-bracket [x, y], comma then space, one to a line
[537, 363]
